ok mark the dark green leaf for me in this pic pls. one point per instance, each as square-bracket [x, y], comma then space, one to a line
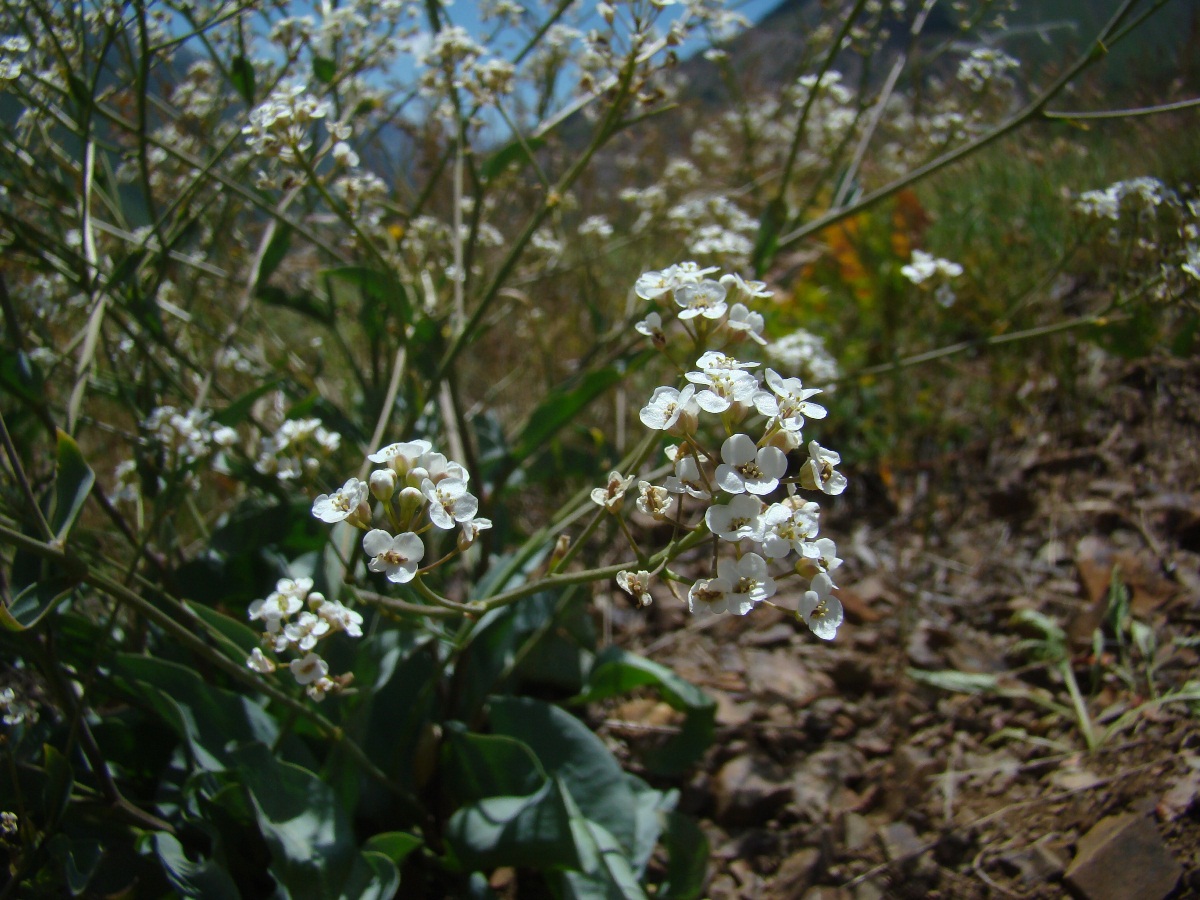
[766, 244]
[558, 409]
[395, 845]
[568, 750]
[235, 413]
[377, 285]
[21, 377]
[276, 250]
[607, 873]
[73, 482]
[241, 73]
[618, 672]
[487, 765]
[34, 601]
[241, 638]
[324, 69]
[56, 792]
[510, 153]
[76, 861]
[374, 877]
[687, 858]
[204, 878]
[312, 849]
[305, 304]
[533, 831]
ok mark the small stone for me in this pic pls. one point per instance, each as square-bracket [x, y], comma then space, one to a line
[900, 841]
[795, 875]
[1036, 864]
[748, 791]
[856, 832]
[1123, 856]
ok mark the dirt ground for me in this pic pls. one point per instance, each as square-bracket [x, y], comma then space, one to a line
[839, 773]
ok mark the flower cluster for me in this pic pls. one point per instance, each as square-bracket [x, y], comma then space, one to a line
[296, 619]
[297, 449]
[1141, 193]
[985, 66]
[925, 268]
[179, 441]
[417, 489]
[280, 127]
[735, 428]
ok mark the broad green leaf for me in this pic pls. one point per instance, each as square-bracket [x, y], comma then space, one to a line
[559, 408]
[513, 152]
[607, 873]
[766, 244]
[76, 860]
[241, 637]
[569, 751]
[687, 858]
[476, 766]
[303, 303]
[617, 671]
[311, 841]
[374, 877]
[210, 720]
[73, 480]
[276, 250]
[395, 845]
[203, 878]
[56, 792]
[241, 74]
[532, 831]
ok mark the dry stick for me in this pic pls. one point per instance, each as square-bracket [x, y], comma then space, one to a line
[1031, 110]
[1122, 113]
[87, 354]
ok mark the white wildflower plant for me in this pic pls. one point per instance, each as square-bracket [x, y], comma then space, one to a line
[731, 484]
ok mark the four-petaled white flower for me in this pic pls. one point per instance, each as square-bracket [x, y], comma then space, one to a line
[821, 611]
[744, 323]
[790, 402]
[687, 479]
[612, 495]
[308, 668]
[745, 468]
[749, 582]
[449, 502]
[401, 456]
[723, 388]
[260, 663]
[741, 517]
[704, 299]
[637, 585]
[667, 407]
[652, 327]
[818, 473]
[396, 557]
[342, 503]
[654, 501]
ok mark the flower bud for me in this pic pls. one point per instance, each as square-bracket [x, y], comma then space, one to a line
[411, 501]
[383, 484]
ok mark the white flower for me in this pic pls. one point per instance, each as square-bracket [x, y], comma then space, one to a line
[1192, 266]
[652, 285]
[925, 265]
[704, 299]
[666, 407]
[723, 388]
[651, 327]
[341, 618]
[740, 518]
[790, 403]
[818, 472]
[449, 502]
[401, 456]
[470, 531]
[709, 596]
[306, 630]
[786, 529]
[745, 323]
[749, 582]
[715, 360]
[747, 289]
[654, 501]
[746, 468]
[277, 607]
[396, 557]
[309, 668]
[259, 663]
[821, 611]
[637, 585]
[342, 503]
[687, 479]
[612, 495]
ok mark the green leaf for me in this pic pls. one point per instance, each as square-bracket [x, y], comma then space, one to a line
[56, 792]
[235, 413]
[374, 877]
[377, 285]
[607, 873]
[276, 250]
[559, 407]
[305, 303]
[204, 878]
[953, 680]
[687, 858]
[766, 244]
[513, 152]
[76, 860]
[617, 671]
[73, 482]
[532, 831]
[21, 377]
[568, 750]
[241, 638]
[34, 601]
[312, 852]
[210, 720]
[324, 69]
[241, 74]
[395, 845]
[476, 766]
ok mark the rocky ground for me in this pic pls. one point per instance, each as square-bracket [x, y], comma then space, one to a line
[842, 771]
